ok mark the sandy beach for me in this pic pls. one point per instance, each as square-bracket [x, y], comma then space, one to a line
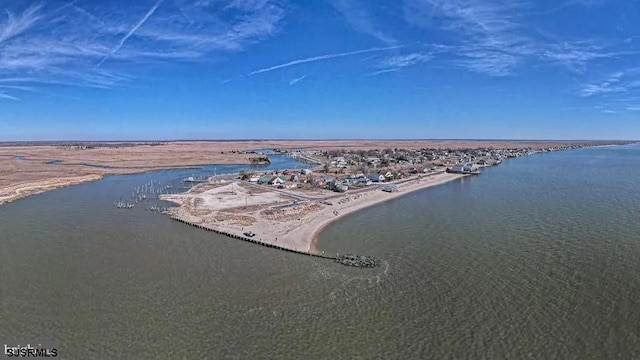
[270, 214]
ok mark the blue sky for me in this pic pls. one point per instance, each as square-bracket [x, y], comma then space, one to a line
[225, 69]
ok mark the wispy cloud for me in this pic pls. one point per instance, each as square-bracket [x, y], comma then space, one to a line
[495, 37]
[618, 82]
[383, 71]
[570, 3]
[16, 25]
[357, 14]
[8, 97]
[397, 62]
[400, 61]
[17, 87]
[131, 32]
[576, 55]
[490, 38]
[320, 58]
[70, 45]
[296, 80]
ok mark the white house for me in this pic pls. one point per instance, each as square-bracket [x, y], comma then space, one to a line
[276, 181]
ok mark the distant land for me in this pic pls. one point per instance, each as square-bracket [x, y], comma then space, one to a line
[31, 167]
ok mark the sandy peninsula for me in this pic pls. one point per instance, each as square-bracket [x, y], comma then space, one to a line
[239, 207]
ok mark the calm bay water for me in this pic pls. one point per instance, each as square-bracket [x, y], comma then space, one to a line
[536, 258]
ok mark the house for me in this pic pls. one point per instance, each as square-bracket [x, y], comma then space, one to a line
[460, 169]
[456, 169]
[365, 181]
[305, 172]
[373, 160]
[254, 179]
[376, 177]
[264, 179]
[294, 178]
[388, 176]
[326, 178]
[413, 170]
[276, 180]
[339, 162]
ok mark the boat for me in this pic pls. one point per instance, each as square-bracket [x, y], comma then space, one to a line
[249, 234]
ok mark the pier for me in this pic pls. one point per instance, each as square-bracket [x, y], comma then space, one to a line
[346, 259]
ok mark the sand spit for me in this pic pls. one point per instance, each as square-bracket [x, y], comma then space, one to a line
[16, 191]
[269, 213]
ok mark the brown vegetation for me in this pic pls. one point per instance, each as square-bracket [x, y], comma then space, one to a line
[86, 161]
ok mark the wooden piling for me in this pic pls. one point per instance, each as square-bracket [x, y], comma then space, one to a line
[254, 241]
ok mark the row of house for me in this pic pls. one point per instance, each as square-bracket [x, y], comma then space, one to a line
[383, 158]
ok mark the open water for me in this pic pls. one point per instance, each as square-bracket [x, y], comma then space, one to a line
[536, 258]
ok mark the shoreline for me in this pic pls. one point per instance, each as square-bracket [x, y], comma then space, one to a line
[29, 176]
[315, 237]
[11, 192]
[297, 229]
[14, 192]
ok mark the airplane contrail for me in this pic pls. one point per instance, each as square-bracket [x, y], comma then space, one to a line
[132, 31]
[320, 58]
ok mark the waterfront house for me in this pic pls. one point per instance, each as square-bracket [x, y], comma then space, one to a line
[376, 177]
[276, 180]
[264, 179]
[254, 179]
[305, 172]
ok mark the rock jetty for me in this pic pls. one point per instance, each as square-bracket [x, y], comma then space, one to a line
[357, 260]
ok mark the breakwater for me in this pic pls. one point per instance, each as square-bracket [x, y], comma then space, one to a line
[345, 259]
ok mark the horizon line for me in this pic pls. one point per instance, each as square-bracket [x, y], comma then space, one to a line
[304, 139]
